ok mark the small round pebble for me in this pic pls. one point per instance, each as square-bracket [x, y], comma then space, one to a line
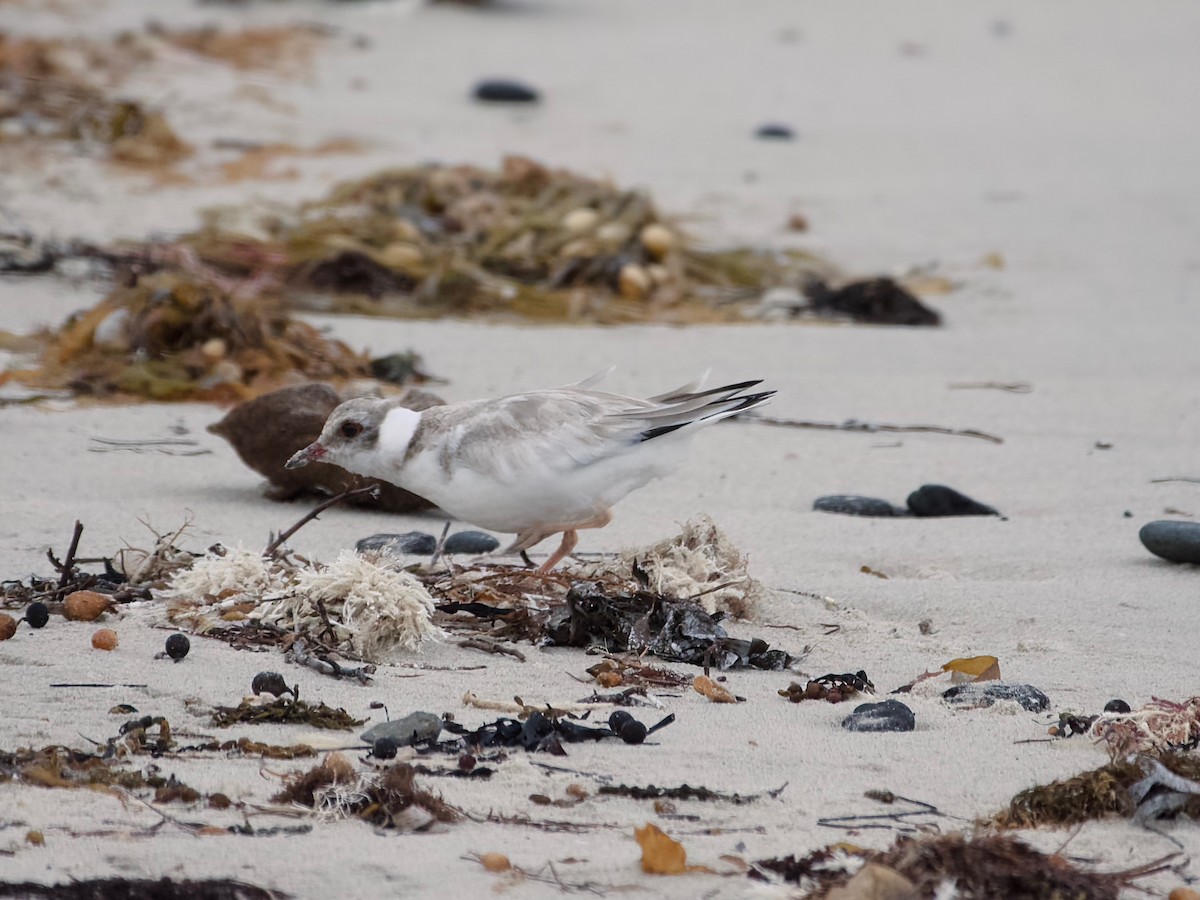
[37, 615]
[890, 715]
[503, 90]
[1176, 541]
[470, 542]
[857, 505]
[178, 646]
[8, 626]
[105, 639]
[384, 748]
[1117, 706]
[632, 732]
[938, 500]
[774, 131]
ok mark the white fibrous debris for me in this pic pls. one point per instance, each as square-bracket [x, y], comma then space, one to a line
[700, 563]
[373, 608]
[235, 576]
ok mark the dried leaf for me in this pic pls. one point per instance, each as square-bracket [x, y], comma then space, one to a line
[875, 882]
[704, 685]
[976, 668]
[661, 854]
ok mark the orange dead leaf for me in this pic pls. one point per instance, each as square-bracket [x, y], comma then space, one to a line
[661, 854]
[704, 685]
[976, 668]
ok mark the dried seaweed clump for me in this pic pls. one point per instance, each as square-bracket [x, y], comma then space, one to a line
[371, 608]
[173, 336]
[978, 867]
[700, 562]
[48, 90]
[387, 799]
[525, 240]
[1096, 794]
[286, 49]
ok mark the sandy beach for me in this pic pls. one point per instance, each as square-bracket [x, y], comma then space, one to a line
[1041, 158]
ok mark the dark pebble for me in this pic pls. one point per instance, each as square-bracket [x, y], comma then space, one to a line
[1117, 706]
[879, 301]
[1176, 541]
[632, 732]
[37, 615]
[501, 90]
[890, 715]
[471, 542]
[978, 694]
[939, 500]
[269, 683]
[384, 748]
[178, 646]
[855, 505]
[774, 131]
[412, 543]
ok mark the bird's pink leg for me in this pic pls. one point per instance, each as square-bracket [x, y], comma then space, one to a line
[569, 540]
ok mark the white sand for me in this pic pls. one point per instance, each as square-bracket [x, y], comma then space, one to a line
[1068, 146]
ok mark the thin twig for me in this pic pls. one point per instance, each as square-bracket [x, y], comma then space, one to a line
[871, 428]
[314, 512]
[1184, 478]
[489, 647]
[68, 565]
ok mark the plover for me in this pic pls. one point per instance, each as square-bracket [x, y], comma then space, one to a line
[535, 464]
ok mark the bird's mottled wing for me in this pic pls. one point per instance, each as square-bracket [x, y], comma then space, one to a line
[552, 430]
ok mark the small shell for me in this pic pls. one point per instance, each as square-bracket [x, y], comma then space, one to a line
[402, 256]
[85, 606]
[658, 240]
[633, 282]
[580, 221]
[495, 862]
[8, 626]
[105, 639]
[214, 349]
[612, 233]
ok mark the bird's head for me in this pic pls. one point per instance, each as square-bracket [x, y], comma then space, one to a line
[351, 436]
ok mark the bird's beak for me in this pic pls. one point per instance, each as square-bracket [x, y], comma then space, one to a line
[314, 452]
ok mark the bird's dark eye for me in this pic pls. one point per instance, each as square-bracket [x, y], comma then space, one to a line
[350, 429]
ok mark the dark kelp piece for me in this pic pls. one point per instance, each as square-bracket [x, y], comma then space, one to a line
[831, 688]
[674, 630]
[389, 799]
[140, 889]
[683, 792]
[540, 733]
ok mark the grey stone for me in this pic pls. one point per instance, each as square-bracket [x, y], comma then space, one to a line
[503, 90]
[1176, 541]
[471, 542]
[889, 715]
[412, 729]
[412, 543]
[856, 505]
[977, 694]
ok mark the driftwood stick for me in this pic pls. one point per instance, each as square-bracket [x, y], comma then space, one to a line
[313, 513]
[871, 428]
